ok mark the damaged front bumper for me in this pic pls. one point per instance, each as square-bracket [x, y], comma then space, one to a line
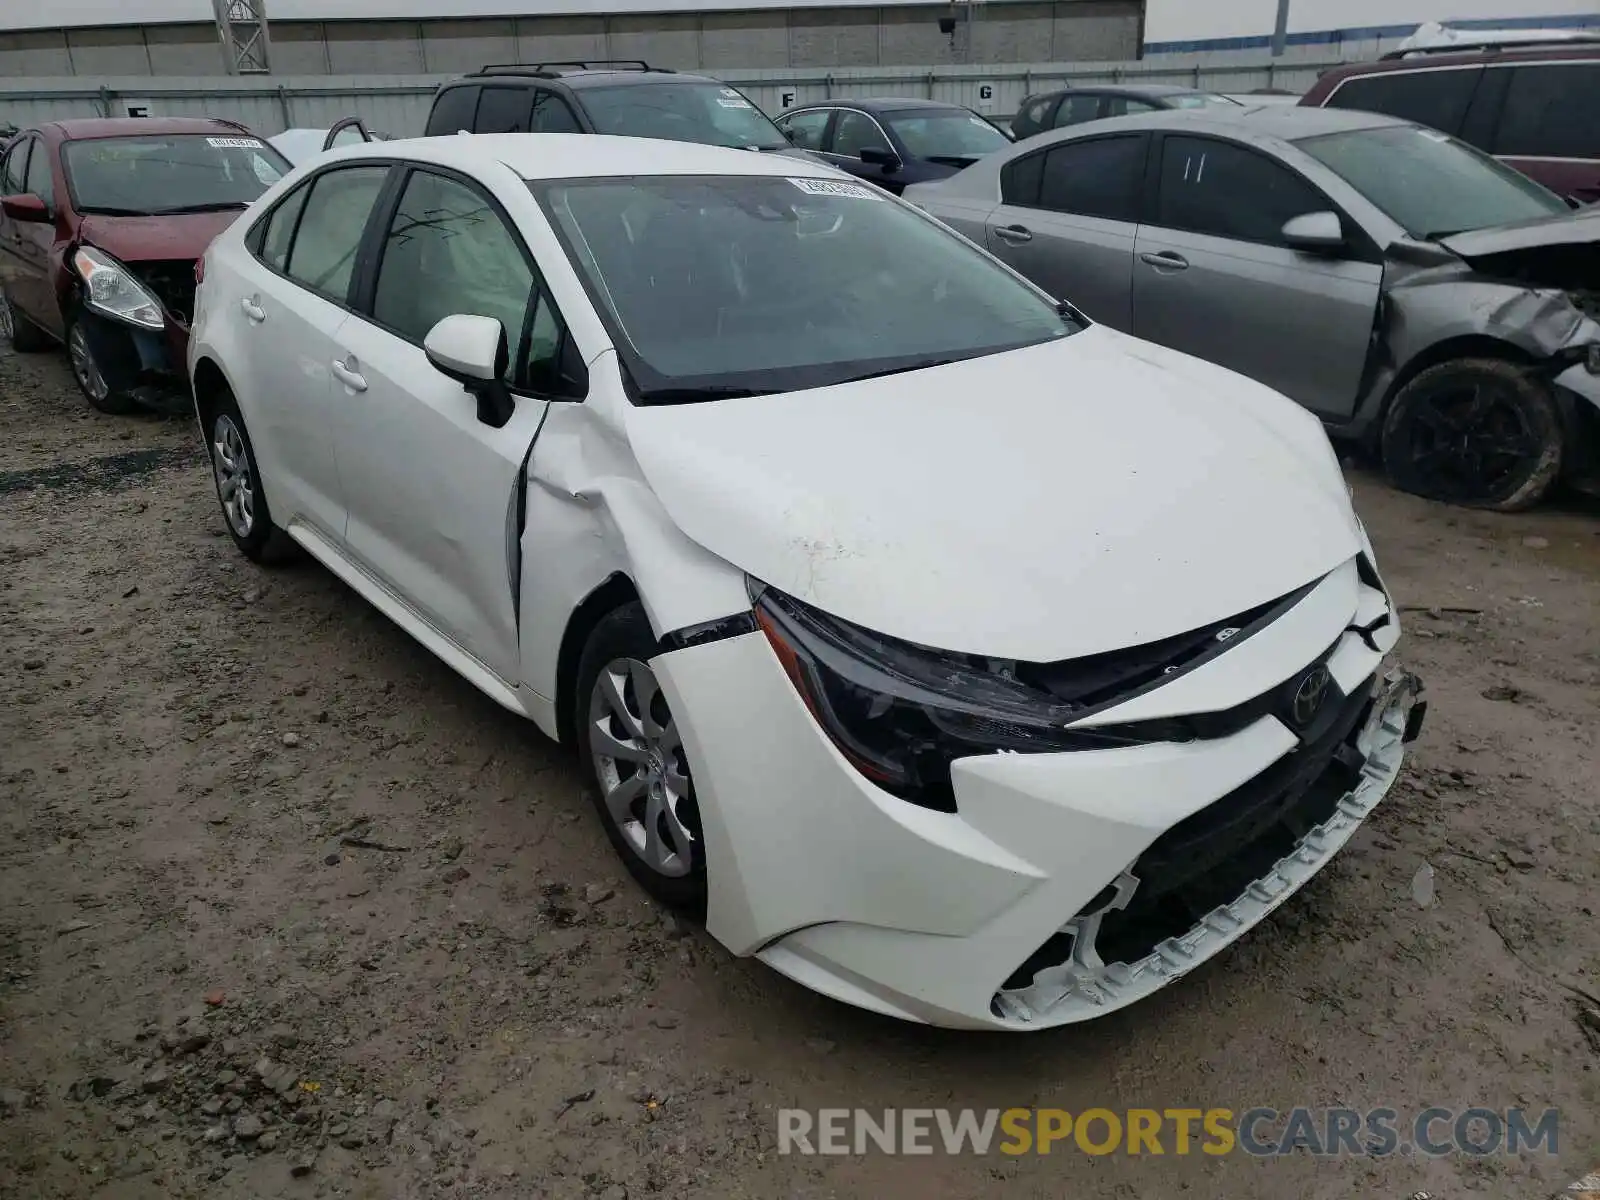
[147, 364]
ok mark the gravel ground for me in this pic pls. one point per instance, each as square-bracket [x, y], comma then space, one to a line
[287, 909]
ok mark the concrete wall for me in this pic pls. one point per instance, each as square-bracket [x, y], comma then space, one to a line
[1005, 31]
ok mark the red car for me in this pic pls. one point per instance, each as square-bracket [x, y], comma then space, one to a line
[1532, 105]
[101, 223]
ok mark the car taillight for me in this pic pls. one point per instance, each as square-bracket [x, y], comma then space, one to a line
[199, 270]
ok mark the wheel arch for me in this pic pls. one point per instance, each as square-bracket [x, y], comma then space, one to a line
[209, 384]
[614, 592]
[1469, 345]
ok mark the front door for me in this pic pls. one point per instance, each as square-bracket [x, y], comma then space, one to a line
[1213, 278]
[25, 245]
[854, 132]
[434, 493]
[1067, 221]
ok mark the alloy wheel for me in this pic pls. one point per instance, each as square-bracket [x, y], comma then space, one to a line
[8, 323]
[84, 366]
[235, 485]
[1471, 441]
[640, 763]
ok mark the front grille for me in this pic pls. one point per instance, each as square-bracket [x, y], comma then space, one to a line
[173, 285]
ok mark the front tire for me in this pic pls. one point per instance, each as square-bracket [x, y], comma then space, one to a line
[1481, 432]
[239, 489]
[637, 763]
[24, 336]
[91, 380]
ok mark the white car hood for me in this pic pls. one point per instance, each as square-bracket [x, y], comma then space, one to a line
[1062, 500]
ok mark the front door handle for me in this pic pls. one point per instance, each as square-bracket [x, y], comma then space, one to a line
[1165, 260]
[1015, 234]
[252, 309]
[346, 373]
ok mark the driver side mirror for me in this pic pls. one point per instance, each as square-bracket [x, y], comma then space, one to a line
[881, 156]
[1314, 232]
[26, 207]
[472, 351]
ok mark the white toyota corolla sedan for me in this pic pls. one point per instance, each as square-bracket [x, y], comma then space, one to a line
[958, 658]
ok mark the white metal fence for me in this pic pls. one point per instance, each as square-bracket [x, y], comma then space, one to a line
[398, 104]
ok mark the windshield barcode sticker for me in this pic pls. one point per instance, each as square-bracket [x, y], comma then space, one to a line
[829, 187]
[235, 143]
[733, 102]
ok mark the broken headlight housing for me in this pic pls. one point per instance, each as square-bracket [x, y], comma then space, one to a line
[110, 288]
[900, 712]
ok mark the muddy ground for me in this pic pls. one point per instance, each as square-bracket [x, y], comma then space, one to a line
[206, 990]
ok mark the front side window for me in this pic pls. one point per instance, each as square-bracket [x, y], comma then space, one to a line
[504, 110]
[711, 113]
[854, 132]
[1429, 184]
[170, 173]
[1095, 178]
[551, 114]
[38, 179]
[14, 173]
[683, 270]
[1076, 109]
[946, 133]
[323, 253]
[806, 128]
[1551, 111]
[1429, 97]
[448, 251]
[1226, 191]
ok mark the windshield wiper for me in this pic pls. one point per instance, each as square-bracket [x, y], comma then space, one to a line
[214, 206]
[109, 210]
[695, 395]
[1435, 235]
[920, 365]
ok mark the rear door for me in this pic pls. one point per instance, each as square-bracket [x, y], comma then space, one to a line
[285, 319]
[433, 491]
[1068, 218]
[1213, 278]
[1549, 125]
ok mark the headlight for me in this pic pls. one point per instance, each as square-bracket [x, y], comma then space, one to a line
[900, 712]
[115, 292]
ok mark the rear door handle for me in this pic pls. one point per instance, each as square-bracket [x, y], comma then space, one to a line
[253, 310]
[346, 373]
[1167, 259]
[1015, 234]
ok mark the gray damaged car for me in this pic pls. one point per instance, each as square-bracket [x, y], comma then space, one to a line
[1414, 293]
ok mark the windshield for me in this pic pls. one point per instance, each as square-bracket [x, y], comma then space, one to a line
[170, 173]
[945, 133]
[682, 112]
[1200, 100]
[722, 285]
[1430, 184]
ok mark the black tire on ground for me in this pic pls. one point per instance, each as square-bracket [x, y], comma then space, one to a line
[1481, 432]
[624, 635]
[26, 337]
[260, 540]
[103, 398]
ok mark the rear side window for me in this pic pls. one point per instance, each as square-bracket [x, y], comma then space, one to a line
[323, 256]
[1035, 115]
[1096, 178]
[1075, 110]
[1019, 181]
[12, 176]
[503, 110]
[1438, 97]
[1551, 111]
[552, 115]
[806, 128]
[453, 110]
[1227, 191]
[280, 228]
[1122, 106]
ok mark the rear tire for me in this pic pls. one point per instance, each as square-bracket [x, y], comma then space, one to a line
[637, 763]
[91, 381]
[239, 487]
[1480, 432]
[24, 336]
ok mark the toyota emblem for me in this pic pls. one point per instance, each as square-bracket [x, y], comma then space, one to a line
[1309, 695]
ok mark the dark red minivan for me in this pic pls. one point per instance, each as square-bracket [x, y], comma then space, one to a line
[101, 222]
[1536, 106]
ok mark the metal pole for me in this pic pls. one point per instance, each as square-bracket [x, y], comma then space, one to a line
[1281, 32]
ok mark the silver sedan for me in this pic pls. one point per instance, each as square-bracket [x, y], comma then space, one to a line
[1412, 292]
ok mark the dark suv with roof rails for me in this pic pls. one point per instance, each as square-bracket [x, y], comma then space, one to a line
[1530, 104]
[616, 96]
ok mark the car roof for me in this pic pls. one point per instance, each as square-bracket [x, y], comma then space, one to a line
[1287, 122]
[883, 104]
[536, 156]
[1133, 89]
[578, 76]
[113, 127]
[1421, 60]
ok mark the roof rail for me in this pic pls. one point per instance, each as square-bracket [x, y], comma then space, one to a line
[1575, 39]
[549, 67]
